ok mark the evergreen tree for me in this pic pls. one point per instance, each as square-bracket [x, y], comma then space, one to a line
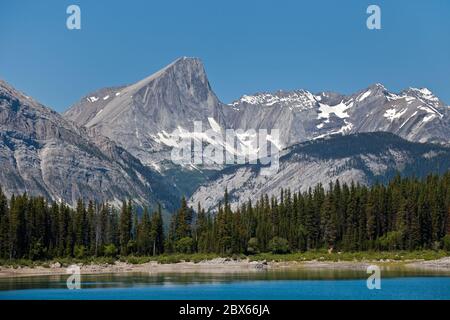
[4, 226]
[406, 213]
[125, 227]
[91, 229]
[157, 232]
[144, 239]
[18, 227]
[80, 224]
[329, 221]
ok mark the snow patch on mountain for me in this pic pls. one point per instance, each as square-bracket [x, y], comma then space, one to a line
[428, 118]
[214, 125]
[346, 128]
[340, 110]
[364, 95]
[393, 113]
[300, 99]
[409, 118]
[92, 99]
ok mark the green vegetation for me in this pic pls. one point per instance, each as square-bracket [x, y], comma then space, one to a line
[279, 245]
[323, 255]
[407, 218]
[314, 255]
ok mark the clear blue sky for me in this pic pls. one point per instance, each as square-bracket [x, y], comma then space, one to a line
[246, 46]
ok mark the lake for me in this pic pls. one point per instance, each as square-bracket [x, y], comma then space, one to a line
[300, 284]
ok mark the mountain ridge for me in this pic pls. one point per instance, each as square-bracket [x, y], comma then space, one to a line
[148, 118]
[365, 158]
[43, 154]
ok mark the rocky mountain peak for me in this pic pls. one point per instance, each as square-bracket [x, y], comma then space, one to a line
[8, 92]
[184, 69]
[424, 94]
[137, 115]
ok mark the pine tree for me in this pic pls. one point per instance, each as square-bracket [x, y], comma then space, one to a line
[4, 226]
[157, 232]
[144, 240]
[103, 232]
[350, 233]
[407, 213]
[201, 230]
[371, 218]
[18, 233]
[91, 229]
[80, 224]
[183, 221]
[125, 227]
[329, 221]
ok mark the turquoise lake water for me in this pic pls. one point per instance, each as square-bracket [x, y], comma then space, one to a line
[290, 285]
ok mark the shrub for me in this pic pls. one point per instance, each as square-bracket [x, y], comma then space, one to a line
[436, 245]
[252, 246]
[184, 245]
[79, 251]
[38, 251]
[446, 242]
[131, 246]
[138, 260]
[279, 245]
[391, 240]
[110, 250]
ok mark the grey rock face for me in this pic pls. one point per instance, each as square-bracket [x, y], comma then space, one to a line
[41, 153]
[414, 114]
[141, 117]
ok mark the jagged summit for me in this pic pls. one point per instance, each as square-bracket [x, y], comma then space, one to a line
[16, 106]
[138, 115]
[7, 89]
[182, 65]
[422, 93]
[186, 75]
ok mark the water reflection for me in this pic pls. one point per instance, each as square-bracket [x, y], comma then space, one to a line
[127, 280]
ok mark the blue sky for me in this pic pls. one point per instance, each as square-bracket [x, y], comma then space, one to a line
[246, 46]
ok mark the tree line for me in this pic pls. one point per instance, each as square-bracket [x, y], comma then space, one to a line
[404, 214]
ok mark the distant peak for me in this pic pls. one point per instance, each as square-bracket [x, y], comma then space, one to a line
[185, 58]
[423, 91]
[182, 65]
[4, 84]
[377, 87]
[298, 99]
[9, 89]
[186, 61]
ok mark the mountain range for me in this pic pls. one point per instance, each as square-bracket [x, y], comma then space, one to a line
[115, 143]
[42, 153]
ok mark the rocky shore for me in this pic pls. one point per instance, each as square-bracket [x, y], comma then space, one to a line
[218, 265]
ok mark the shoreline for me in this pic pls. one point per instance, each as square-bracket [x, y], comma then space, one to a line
[223, 265]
